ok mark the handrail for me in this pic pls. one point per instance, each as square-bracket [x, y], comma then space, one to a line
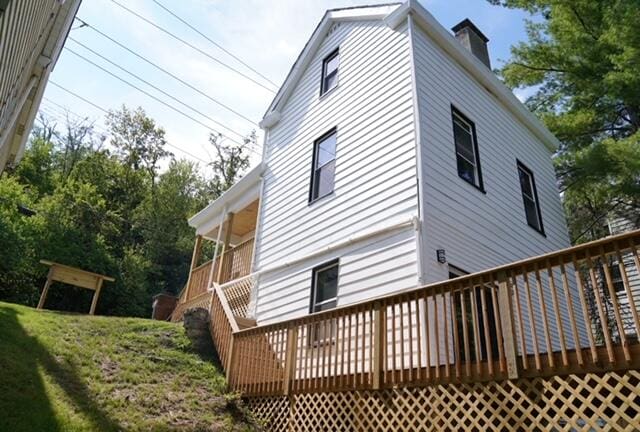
[464, 278]
[556, 313]
[225, 307]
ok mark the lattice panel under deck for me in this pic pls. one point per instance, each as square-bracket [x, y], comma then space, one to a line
[591, 402]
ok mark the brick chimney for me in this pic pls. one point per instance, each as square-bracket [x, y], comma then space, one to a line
[472, 39]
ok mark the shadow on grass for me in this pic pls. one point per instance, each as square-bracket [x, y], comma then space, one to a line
[24, 402]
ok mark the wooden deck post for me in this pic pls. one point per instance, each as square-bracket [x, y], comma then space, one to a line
[96, 294]
[225, 247]
[379, 318]
[508, 324]
[195, 257]
[45, 290]
[231, 360]
[290, 359]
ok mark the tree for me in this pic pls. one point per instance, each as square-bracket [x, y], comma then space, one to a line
[162, 221]
[231, 160]
[105, 208]
[582, 59]
[137, 140]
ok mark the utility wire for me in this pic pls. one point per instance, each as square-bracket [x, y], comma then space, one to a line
[190, 45]
[213, 42]
[160, 68]
[104, 110]
[168, 105]
[147, 83]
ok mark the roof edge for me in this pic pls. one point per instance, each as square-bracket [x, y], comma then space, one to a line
[232, 194]
[479, 71]
[395, 14]
[358, 13]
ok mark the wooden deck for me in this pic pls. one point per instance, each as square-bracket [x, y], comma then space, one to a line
[463, 354]
[472, 329]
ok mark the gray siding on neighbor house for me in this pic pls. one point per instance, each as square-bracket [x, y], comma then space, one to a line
[375, 174]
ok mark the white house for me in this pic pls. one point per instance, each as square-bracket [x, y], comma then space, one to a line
[32, 34]
[393, 157]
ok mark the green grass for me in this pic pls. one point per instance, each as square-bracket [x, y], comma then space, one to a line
[65, 372]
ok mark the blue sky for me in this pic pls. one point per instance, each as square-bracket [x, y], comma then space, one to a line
[267, 35]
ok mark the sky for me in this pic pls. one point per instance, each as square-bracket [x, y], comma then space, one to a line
[266, 35]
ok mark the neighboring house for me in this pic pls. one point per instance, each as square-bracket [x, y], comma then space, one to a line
[393, 157]
[32, 34]
[619, 225]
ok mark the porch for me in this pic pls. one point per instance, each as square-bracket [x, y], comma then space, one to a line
[226, 230]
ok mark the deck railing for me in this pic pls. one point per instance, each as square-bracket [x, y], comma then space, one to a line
[557, 313]
[236, 264]
[238, 295]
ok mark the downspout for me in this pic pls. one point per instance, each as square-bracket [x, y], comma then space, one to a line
[419, 223]
[253, 300]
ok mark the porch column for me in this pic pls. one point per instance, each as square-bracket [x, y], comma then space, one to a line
[225, 247]
[215, 251]
[197, 250]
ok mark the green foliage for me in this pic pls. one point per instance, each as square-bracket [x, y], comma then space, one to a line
[583, 57]
[109, 212]
[18, 237]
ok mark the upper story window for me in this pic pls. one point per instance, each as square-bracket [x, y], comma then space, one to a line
[464, 133]
[324, 165]
[330, 72]
[530, 198]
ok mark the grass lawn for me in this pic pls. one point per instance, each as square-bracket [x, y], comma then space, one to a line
[67, 372]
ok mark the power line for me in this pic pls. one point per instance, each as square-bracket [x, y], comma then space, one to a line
[104, 110]
[168, 105]
[213, 42]
[141, 57]
[79, 97]
[147, 83]
[190, 45]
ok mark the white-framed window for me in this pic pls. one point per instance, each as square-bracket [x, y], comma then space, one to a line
[324, 165]
[324, 296]
[466, 145]
[330, 66]
[530, 198]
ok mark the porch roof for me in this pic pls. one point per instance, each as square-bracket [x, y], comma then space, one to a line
[239, 198]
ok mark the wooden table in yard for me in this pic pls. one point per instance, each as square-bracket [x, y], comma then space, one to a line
[76, 277]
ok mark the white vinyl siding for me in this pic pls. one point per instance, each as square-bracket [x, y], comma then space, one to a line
[478, 231]
[367, 270]
[375, 166]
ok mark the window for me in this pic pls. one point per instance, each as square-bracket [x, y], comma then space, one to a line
[616, 277]
[324, 296]
[324, 291]
[330, 72]
[464, 134]
[475, 319]
[324, 164]
[530, 198]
